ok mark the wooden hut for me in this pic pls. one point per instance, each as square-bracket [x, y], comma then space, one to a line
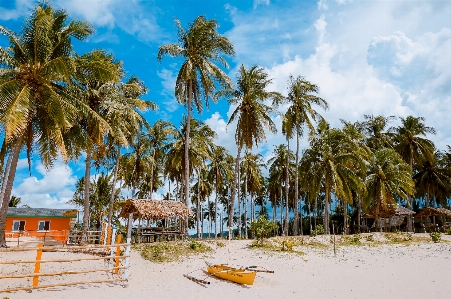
[394, 213]
[155, 210]
[425, 213]
[40, 222]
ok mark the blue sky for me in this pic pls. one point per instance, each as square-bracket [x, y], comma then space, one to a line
[367, 57]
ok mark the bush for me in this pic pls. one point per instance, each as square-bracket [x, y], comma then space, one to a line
[355, 239]
[369, 238]
[261, 228]
[319, 230]
[448, 231]
[435, 236]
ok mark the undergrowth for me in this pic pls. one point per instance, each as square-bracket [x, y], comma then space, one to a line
[171, 251]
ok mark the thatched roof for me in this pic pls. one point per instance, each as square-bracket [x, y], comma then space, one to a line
[389, 211]
[429, 211]
[41, 212]
[154, 209]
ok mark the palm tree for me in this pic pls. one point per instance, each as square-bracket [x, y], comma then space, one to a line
[281, 164]
[220, 170]
[201, 46]
[376, 130]
[14, 201]
[411, 145]
[35, 106]
[328, 162]
[388, 179]
[301, 98]
[251, 113]
[251, 170]
[433, 178]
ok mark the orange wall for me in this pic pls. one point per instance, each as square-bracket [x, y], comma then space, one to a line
[59, 228]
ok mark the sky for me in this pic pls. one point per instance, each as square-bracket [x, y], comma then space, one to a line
[367, 57]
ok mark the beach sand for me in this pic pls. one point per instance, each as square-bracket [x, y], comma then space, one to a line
[419, 270]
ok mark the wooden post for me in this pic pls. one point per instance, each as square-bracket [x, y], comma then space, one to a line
[127, 249]
[118, 253]
[102, 236]
[37, 265]
[108, 238]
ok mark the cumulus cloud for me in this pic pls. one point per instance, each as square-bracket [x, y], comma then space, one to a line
[55, 188]
[260, 2]
[14, 10]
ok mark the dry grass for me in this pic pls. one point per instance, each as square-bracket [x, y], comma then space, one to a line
[171, 251]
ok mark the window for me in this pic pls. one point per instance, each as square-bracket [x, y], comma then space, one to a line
[43, 225]
[18, 225]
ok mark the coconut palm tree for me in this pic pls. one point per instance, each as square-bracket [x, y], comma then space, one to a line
[14, 201]
[301, 113]
[433, 178]
[220, 171]
[251, 113]
[251, 171]
[328, 161]
[201, 47]
[388, 179]
[35, 106]
[412, 146]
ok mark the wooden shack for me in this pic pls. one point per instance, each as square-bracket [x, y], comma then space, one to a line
[40, 223]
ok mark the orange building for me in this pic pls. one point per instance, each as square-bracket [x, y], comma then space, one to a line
[40, 223]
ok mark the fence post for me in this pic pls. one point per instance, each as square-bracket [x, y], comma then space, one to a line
[37, 265]
[127, 249]
[109, 240]
[103, 234]
[113, 237]
[118, 253]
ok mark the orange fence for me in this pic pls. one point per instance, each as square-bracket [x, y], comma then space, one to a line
[114, 251]
[59, 235]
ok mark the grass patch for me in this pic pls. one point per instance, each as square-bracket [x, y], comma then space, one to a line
[171, 251]
[278, 244]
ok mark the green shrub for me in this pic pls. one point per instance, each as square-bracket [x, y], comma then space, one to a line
[369, 238]
[435, 236]
[319, 230]
[261, 228]
[448, 231]
[355, 239]
[194, 245]
[220, 244]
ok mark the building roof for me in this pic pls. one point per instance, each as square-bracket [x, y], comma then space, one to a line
[429, 211]
[154, 209]
[41, 212]
[389, 211]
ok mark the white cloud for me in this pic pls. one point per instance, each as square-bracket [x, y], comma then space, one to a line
[54, 189]
[168, 82]
[21, 8]
[259, 2]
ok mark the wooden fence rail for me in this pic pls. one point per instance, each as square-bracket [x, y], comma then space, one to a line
[112, 249]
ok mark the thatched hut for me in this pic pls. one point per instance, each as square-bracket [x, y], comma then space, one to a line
[427, 212]
[154, 209]
[394, 213]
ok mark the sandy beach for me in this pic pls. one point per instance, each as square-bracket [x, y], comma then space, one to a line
[417, 270]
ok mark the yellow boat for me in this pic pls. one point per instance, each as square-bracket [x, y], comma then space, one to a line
[241, 276]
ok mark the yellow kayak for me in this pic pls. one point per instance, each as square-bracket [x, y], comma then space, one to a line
[241, 276]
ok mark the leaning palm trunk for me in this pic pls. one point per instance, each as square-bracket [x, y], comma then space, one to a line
[85, 226]
[9, 185]
[216, 203]
[116, 168]
[234, 190]
[151, 174]
[5, 178]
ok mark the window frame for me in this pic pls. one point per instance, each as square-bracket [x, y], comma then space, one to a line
[18, 230]
[43, 230]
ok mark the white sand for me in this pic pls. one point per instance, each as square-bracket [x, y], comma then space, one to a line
[384, 271]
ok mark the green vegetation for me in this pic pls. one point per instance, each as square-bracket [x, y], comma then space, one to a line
[261, 228]
[171, 251]
[448, 231]
[435, 236]
[319, 230]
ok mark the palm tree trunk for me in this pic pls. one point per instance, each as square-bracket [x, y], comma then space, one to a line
[5, 177]
[316, 211]
[326, 208]
[151, 174]
[84, 228]
[209, 216]
[216, 201]
[198, 211]
[358, 214]
[187, 141]
[234, 188]
[409, 200]
[287, 188]
[113, 189]
[245, 205]
[345, 221]
[296, 189]
[9, 185]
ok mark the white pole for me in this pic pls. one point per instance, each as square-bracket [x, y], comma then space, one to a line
[127, 249]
